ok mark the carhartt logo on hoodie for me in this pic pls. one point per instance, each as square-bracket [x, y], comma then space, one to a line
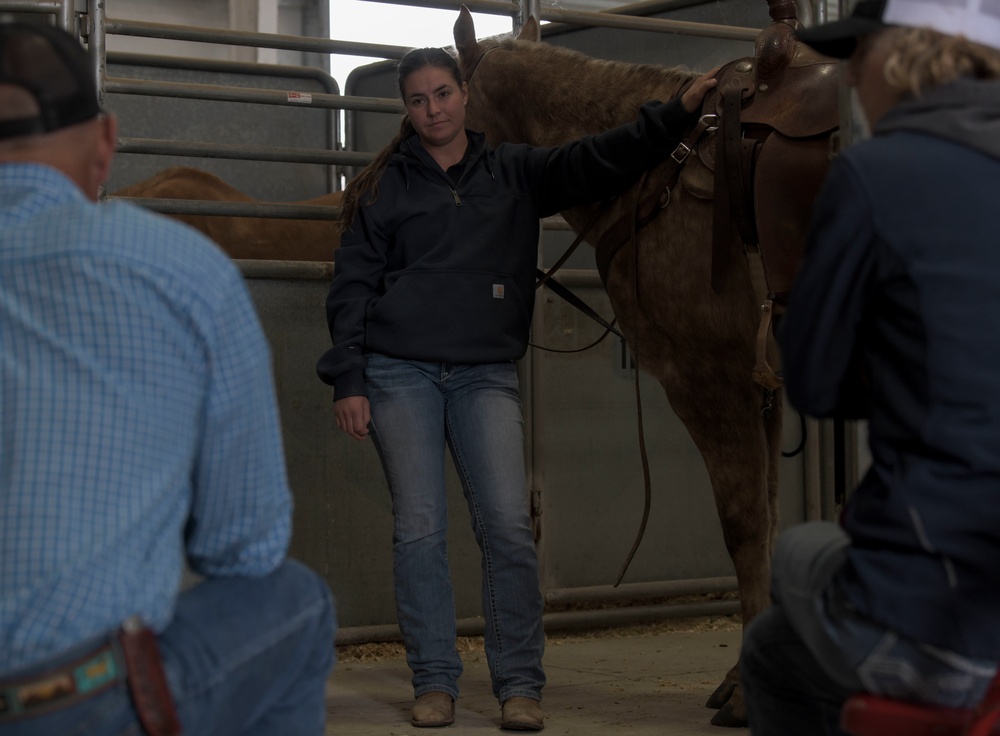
[498, 291]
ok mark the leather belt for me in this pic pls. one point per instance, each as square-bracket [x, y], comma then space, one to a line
[62, 686]
[129, 655]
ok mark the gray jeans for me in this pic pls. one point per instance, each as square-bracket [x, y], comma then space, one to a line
[810, 650]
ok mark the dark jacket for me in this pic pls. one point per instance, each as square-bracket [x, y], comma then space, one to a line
[895, 317]
[441, 269]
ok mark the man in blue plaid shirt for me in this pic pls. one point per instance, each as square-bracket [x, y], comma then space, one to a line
[138, 431]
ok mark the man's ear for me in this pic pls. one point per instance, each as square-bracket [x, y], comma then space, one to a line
[107, 141]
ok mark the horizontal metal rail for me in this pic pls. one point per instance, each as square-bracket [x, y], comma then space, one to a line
[289, 211]
[193, 91]
[489, 7]
[245, 68]
[638, 591]
[64, 10]
[658, 25]
[278, 210]
[27, 6]
[562, 621]
[250, 38]
[612, 20]
[286, 270]
[162, 147]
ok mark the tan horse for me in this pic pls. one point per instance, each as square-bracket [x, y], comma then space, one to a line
[699, 343]
[265, 238]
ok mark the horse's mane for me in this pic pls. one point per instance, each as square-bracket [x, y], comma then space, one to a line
[566, 91]
[585, 65]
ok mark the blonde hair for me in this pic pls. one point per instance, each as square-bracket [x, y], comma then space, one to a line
[921, 59]
[364, 187]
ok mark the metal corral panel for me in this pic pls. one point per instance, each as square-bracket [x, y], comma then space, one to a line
[227, 123]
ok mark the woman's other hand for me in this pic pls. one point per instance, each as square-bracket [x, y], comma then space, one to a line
[353, 415]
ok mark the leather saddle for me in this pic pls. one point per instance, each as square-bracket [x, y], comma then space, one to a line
[764, 164]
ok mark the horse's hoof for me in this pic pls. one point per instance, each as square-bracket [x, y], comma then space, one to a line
[721, 695]
[729, 717]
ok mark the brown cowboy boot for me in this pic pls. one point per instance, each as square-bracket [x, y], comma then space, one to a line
[432, 710]
[522, 714]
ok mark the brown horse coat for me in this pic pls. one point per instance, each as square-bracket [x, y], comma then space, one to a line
[252, 238]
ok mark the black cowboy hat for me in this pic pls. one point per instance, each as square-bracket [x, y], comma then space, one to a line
[840, 38]
[975, 22]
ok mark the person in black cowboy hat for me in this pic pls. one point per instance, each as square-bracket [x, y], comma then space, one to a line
[138, 430]
[895, 318]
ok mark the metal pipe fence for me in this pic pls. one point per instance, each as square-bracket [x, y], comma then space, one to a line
[95, 26]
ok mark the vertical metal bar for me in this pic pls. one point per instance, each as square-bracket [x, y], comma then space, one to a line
[97, 43]
[65, 15]
[820, 11]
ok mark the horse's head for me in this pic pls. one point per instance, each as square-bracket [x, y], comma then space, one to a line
[524, 91]
[471, 50]
[493, 91]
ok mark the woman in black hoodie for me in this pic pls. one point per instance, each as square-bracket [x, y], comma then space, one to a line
[429, 307]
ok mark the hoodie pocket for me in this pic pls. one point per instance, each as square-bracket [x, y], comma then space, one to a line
[459, 316]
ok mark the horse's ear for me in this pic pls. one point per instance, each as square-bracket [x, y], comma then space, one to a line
[530, 31]
[465, 35]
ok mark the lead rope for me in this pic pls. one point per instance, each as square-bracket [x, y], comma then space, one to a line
[646, 481]
[705, 124]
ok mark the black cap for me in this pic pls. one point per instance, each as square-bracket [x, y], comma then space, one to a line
[840, 38]
[54, 68]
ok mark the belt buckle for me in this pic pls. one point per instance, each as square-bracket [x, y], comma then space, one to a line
[681, 153]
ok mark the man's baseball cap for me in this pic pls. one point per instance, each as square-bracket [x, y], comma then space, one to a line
[54, 68]
[976, 21]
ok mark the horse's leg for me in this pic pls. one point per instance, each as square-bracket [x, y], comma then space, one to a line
[700, 347]
[739, 447]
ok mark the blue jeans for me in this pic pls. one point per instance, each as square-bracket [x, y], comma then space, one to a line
[417, 409]
[810, 650]
[247, 656]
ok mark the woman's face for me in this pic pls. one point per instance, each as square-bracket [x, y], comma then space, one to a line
[436, 105]
[866, 73]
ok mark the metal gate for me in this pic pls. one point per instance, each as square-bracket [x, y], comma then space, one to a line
[583, 465]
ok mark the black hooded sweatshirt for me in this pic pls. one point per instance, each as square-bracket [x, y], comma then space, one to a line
[440, 267]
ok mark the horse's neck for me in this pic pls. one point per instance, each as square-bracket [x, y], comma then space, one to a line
[552, 97]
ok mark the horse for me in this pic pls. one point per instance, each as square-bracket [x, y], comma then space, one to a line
[251, 238]
[693, 325]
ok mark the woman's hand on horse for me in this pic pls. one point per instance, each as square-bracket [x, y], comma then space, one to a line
[353, 415]
[695, 94]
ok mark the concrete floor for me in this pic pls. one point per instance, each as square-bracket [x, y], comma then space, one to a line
[639, 681]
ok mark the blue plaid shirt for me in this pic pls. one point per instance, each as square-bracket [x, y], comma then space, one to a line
[138, 424]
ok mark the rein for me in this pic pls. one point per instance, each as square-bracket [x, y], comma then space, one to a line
[478, 62]
[626, 229]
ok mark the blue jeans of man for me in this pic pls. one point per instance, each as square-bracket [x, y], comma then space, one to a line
[242, 656]
[475, 410]
[810, 650]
